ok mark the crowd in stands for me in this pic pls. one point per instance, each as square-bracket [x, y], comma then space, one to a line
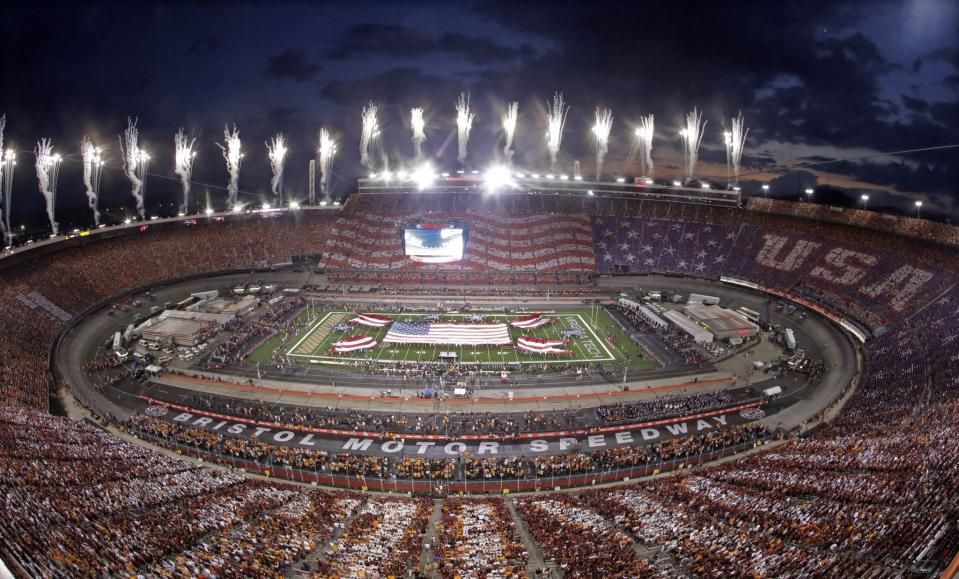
[497, 243]
[78, 277]
[245, 335]
[872, 494]
[452, 423]
[77, 501]
[940, 233]
[666, 407]
[478, 538]
[446, 468]
[466, 283]
[385, 539]
[584, 543]
[675, 339]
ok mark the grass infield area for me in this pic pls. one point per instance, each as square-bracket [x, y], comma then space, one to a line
[604, 341]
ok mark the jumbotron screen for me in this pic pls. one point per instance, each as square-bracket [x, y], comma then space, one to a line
[434, 242]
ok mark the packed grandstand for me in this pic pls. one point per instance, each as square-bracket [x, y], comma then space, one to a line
[865, 486]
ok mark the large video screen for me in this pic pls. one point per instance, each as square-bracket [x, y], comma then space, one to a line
[434, 244]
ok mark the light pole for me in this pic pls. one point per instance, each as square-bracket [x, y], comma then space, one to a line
[765, 189]
[809, 193]
[865, 201]
[918, 208]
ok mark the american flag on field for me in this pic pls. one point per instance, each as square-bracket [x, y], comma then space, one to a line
[353, 343]
[541, 346]
[447, 333]
[371, 320]
[530, 322]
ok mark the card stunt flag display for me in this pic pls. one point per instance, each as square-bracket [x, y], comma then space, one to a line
[541, 346]
[354, 343]
[531, 322]
[371, 320]
[447, 333]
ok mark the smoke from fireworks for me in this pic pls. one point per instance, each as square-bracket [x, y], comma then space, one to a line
[555, 120]
[233, 156]
[692, 136]
[132, 162]
[417, 124]
[644, 136]
[91, 176]
[509, 125]
[48, 169]
[326, 151]
[369, 134]
[735, 140]
[183, 165]
[464, 123]
[277, 153]
[601, 130]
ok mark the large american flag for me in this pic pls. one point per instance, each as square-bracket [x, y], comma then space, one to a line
[447, 333]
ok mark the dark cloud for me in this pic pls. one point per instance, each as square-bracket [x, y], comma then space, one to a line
[206, 45]
[291, 65]
[364, 40]
[394, 86]
[915, 105]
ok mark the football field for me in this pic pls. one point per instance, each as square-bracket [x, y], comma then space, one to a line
[599, 340]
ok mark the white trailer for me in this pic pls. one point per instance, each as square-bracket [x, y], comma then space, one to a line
[790, 339]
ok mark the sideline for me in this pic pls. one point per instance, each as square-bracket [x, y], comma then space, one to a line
[432, 401]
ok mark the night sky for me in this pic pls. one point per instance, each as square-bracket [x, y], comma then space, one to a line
[815, 80]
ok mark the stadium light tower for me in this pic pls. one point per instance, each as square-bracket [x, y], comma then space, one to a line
[765, 189]
[809, 193]
[918, 208]
[497, 178]
[865, 201]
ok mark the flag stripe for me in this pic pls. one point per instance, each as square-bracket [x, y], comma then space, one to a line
[447, 333]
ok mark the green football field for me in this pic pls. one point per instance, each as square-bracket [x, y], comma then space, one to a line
[603, 341]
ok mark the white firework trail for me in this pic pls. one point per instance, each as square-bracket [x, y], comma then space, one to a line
[692, 136]
[464, 124]
[644, 137]
[48, 170]
[183, 165]
[311, 189]
[509, 126]
[4, 220]
[368, 135]
[9, 162]
[555, 121]
[277, 150]
[601, 130]
[418, 126]
[233, 155]
[735, 140]
[326, 151]
[132, 165]
[144, 162]
[92, 164]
